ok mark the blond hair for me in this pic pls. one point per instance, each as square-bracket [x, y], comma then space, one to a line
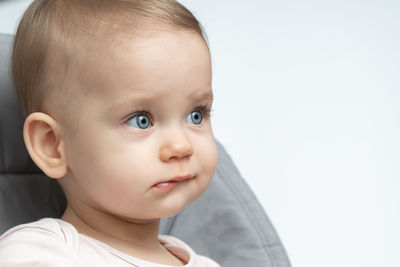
[43, 51]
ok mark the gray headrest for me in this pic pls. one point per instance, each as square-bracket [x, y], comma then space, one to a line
[26, 194]
[13, 155]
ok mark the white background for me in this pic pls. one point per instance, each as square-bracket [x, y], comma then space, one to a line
[307, 98]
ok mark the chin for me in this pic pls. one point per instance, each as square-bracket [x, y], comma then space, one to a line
[171, 211]
[170, 214]
[173, 207]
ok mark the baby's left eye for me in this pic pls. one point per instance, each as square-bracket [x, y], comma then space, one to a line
[195, 117]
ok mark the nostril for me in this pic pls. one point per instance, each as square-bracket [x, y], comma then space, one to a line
[176, 152]
[182, 153]
[188, 154]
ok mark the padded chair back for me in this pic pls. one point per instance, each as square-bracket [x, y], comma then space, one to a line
[26, 194]
[226, 223]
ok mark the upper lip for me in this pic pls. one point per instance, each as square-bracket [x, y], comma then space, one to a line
[179, 178]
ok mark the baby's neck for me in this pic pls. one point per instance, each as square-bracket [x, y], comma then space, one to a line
[135, 238]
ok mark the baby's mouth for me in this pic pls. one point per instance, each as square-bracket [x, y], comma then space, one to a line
[168, 185]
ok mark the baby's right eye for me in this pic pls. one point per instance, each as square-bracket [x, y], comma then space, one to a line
[141, 121]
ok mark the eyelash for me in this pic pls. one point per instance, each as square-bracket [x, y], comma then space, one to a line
[204, 109]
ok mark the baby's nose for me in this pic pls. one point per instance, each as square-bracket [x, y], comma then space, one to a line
[177, 147]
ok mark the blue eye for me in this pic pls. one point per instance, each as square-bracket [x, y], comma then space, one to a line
[195, 117]
[141, 121]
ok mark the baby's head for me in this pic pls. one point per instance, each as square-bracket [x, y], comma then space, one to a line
[116, 96]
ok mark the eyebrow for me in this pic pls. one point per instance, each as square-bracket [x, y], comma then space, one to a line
[132, 100]
[199, 96]
[141, 100]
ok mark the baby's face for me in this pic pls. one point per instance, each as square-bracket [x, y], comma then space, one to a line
[141, 125]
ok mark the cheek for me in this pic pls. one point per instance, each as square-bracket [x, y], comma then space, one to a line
[208, 157]
[102, 160]
[124, 164]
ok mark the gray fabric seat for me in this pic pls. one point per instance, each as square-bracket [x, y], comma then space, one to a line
[226, 223]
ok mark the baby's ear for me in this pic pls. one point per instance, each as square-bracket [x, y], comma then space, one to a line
[45, 145]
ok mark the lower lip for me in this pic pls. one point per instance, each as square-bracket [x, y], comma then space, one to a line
[165, 187]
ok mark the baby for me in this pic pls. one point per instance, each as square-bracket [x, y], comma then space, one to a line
[117, 97]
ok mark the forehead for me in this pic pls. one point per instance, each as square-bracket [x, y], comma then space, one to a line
[152, 62]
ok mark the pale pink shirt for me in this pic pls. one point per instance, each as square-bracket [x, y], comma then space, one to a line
[56, 243]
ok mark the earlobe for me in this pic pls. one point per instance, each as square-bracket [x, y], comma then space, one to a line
[43, 140]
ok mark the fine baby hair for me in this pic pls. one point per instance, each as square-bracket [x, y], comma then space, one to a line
[52, 35]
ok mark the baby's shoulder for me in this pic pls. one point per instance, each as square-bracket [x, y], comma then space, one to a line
[207, 262]
[182, 250]
[47, 240]
[47, 229]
